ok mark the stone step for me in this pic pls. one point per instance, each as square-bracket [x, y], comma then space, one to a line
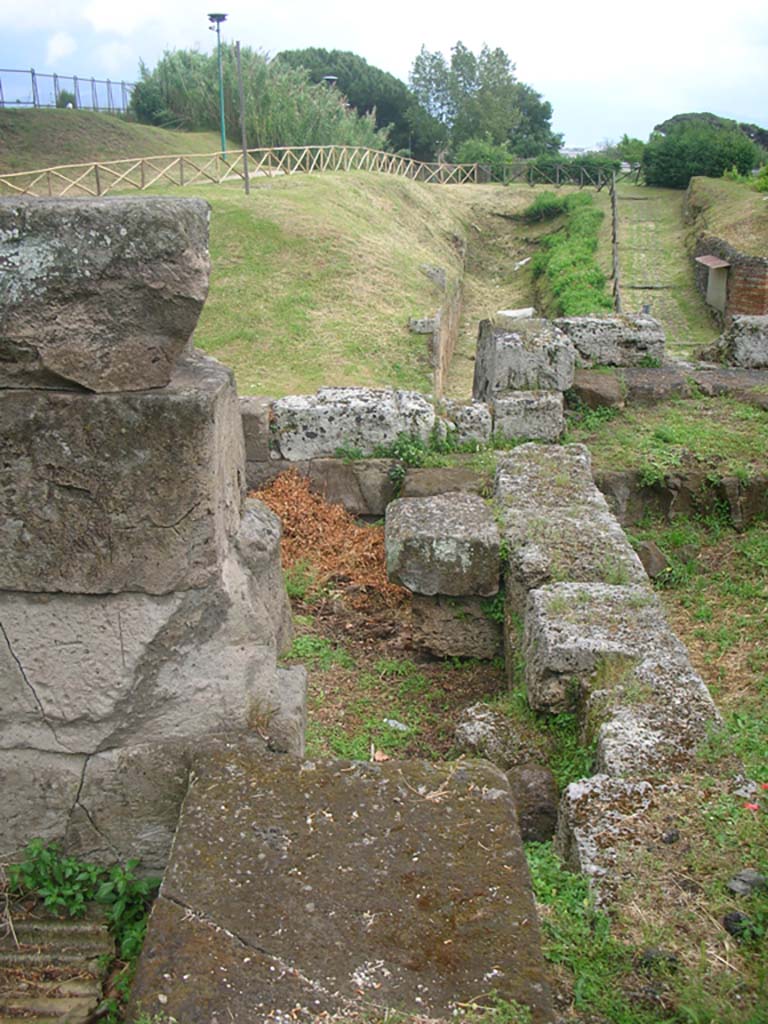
[295, 890]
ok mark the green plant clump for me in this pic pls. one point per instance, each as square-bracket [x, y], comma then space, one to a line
[67, 884]
[567, 260]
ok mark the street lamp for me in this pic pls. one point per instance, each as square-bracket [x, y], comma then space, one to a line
[215, 26]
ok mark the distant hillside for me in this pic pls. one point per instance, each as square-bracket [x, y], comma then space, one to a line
[47, 138]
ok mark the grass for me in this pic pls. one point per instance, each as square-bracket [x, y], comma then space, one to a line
[652, 251]
[730, 210]
[720, 436]
[32, 139]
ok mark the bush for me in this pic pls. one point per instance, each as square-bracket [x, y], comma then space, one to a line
[761, 181]
[66, 97]
[696, 149]
[546, 206]
[483, 151]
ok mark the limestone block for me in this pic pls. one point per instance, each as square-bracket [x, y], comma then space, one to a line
[598, 389]
[280, 714]
[614, 340]
[369, 891]
[574, 629]
[452, 627]
[84, 673]
[572, 545]
[316, 426]
[103, 293]
[484, 732]
[472, 421]
[745, 342]
[126, 492]
[529, 415]
[256, 410]
[424, 482]
[526, 355]
[447, 544]
[39, 791]
[547, 477]
[257, 543]
[596, 816]
[261, 474]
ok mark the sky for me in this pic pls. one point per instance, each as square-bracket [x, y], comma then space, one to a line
[606, 70]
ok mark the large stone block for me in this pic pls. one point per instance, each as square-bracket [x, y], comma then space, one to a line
[129, 492]
[447, 544]
[529, 415]
[39, 790]
[532, 355]
[452, 627]
[83, 674]
[471, 422]
[745, 342]
[348, 887]
[363, 486]
[103, 293]
[317, 426]
[256, 411]
[547, 477]
[615, 340]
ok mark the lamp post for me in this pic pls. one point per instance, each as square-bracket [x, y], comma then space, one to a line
[215, 26]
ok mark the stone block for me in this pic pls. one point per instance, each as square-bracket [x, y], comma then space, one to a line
[596, 817]
[614, 340]
[547, 477]
[534, 791]
[423, 483]
[447, 544]
[259, 474]
[317, 426]
[125, 492]
[102, 293]
[348, 887]
[257, 543]
[280, 715]
[597, 389]
[471, 420]
[484, 732]
[579, 545]
[527, 355]
[83, 674]
[256, 410]
[529, 415]
[452, 627]
[363, 486]
[39, 791]
[745, 342]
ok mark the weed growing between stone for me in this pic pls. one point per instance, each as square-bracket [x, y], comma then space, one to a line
[68, 886]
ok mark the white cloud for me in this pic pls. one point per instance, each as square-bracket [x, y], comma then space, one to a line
[60, 45]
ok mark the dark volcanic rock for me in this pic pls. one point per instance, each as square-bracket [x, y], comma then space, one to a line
[296, 889]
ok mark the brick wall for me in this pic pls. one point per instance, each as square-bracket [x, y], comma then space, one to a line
[747, 278]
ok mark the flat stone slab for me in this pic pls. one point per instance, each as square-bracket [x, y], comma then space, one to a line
[446, 544]
[547, 477]
[521, 355]
[317, 426]
[529, 415]
[614, 340]
[103, 293]
[329, 887]
[126, 492]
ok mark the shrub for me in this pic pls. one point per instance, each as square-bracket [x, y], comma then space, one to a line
[545, 206]
[696, 149]
[483, 151]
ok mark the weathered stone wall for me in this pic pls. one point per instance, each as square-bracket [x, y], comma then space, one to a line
[747, 277]
[142, 605]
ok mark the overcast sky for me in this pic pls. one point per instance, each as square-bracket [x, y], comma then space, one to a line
[606, 70]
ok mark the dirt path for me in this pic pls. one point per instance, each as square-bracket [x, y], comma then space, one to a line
[656, 269]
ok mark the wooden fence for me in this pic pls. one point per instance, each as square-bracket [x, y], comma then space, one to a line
[103, 177]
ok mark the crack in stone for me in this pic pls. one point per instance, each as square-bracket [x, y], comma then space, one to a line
[284, 965]
[30, 687]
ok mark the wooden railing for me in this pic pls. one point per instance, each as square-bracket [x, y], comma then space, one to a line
[103, 177]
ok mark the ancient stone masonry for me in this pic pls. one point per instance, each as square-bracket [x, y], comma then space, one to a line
[142, 603]
[614, 340]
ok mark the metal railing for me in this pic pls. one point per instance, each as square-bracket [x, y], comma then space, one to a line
[31, 88]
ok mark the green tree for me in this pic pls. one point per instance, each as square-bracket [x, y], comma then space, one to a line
[282, 106]
[479, 97]
[696, 148]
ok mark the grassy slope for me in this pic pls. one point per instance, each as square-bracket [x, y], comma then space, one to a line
[314, 280]
[31, 139]
[732, 211]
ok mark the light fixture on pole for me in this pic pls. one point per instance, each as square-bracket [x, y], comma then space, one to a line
[215, 26]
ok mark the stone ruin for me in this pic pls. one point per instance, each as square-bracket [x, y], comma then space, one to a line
[142, 605]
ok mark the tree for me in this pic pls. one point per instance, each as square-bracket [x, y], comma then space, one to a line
[372, 91]
[693, 147]
[478, 97]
